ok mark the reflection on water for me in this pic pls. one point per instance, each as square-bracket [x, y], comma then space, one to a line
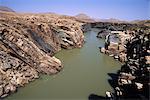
[85, 72]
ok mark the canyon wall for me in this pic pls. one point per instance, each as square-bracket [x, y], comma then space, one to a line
[117, 35]
[28, 43]
[130, 44]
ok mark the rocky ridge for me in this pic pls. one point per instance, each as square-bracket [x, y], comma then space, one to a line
[3, 8]
[130, 44]
[116, 36]
[132, 80]
[84, 18]
[28, 43]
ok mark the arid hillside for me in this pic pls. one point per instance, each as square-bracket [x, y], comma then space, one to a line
[3, 8]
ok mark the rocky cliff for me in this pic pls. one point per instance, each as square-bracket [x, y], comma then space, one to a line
[28, 43]
[130, 44]
[117, 35]
[132, 80]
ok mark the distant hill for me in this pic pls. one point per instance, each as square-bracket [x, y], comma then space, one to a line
[84, 18]
[145, 22]
[3, 8]
[112, 20]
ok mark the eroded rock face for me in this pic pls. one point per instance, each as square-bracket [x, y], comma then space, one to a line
[131, 46]
[28, 43]
[133, 78]
[117, 35]
[115, 44]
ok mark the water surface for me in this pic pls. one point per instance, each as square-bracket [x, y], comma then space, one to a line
[85, 72]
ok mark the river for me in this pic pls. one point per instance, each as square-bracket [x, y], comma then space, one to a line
[85, 72]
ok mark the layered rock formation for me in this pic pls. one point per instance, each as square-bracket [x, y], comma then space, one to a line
[129, 43]
[132, 81]
[115, 44]
[116, 36]
[28, 43]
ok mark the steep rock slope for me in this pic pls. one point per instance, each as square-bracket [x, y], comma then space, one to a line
[28, 43]
[130, 44]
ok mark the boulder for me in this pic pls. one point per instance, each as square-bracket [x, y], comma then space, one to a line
[139, 85]
[147, 59]
[122, 57]
[4, 95]
[102, 50]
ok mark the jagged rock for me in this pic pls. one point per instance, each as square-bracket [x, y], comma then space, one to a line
[108, 94]
[103, 33]
[9, 88]
[139, 85]
[4, 95]
[124, 81]
[133, 78]
[116, 57]
[130, 44]
[102, 50]
[1, 90]
[147, 59]
[28, 43]
[7, 62]
[122, 57]
[127, 76]
[118, 91]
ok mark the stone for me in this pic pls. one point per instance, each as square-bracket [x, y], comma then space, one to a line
[118, 91]
[4, 95]
[28, 43]
[147, 59]
[122, 48]
[116, 57]
[1, 90]
[125, 81]
[108, 94]
[122, 57]
[131, 47]
[102, 50]
[139, 85]
[102, 34]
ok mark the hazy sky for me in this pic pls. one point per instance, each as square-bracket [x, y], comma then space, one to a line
[120, 9]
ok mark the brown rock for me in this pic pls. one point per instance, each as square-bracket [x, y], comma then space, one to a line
[28, 43]
[102, 50]
[1, 90]
[147, 59]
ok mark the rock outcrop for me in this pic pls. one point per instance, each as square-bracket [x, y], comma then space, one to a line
[116, 36]
[115, 44]
[132, 80]
[28, 43]
[130, 45]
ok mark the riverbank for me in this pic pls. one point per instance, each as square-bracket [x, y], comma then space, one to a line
[85, 72]
[132, 81]
[132, 47]
[28, 43]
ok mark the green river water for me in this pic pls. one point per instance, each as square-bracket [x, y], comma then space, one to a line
[85, 72]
